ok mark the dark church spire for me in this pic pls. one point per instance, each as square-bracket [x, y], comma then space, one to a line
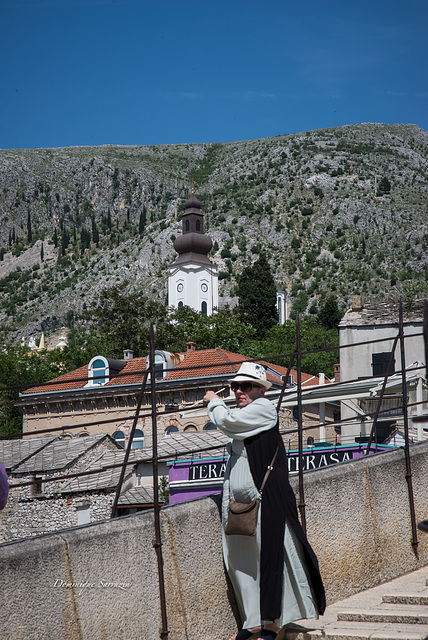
[193, 245]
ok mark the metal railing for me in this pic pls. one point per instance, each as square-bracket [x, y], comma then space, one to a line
[401, 403]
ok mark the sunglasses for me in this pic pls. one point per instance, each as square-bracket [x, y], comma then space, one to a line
[244, 386]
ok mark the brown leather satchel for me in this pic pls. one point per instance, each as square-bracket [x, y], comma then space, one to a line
[242, 516]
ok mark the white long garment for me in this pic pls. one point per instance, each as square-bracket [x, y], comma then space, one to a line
[242, 553]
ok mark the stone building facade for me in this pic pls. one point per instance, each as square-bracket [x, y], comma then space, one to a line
[102, 396]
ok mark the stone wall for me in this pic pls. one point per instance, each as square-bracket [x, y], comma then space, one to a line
[100, 581]
[28, 514]
[21, 519]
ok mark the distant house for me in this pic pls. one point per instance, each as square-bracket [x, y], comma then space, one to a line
[39, 507]
[50, 500]
[372, 327]
[102, 396]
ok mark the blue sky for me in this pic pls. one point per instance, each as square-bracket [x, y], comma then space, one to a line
[93, 72]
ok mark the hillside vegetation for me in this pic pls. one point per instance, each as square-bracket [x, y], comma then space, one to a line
[340, 211]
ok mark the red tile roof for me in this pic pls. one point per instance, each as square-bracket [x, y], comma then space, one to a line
[76, 379]
[194, 364]
[206, 362]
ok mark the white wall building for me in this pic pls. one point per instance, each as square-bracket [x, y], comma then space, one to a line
[193, 278]
[281, 305]
[372, 327]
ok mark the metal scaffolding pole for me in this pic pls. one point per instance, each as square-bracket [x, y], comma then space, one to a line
[302, 505]
[157, 544]
[406, 432]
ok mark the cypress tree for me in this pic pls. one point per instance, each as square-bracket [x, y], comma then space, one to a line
[257, 296]
[29, 230]
[95, 234]
[329, 314]
[142, 222]
[42, 253]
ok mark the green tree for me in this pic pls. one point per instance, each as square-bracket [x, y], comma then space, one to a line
[329, 314]
[142, 221]
[384, 187]
[164, 489]
[20, 366]
[29, 230]
[281, 340]
[65, 241]
[257, 296]
[222, 329]
[95, 233]
[121, 320]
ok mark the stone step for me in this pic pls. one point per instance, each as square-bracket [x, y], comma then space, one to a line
[396, 610]
[413, 614]
[356, 631]
[406, 598]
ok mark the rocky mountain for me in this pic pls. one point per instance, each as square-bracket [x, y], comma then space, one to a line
[340, 210]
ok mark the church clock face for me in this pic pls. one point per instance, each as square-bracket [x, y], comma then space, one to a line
[204, 287]
[180, 287]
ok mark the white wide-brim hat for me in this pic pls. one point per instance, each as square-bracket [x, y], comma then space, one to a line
[252, 372]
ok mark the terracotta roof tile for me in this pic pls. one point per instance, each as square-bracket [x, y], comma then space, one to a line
[76, 379]
[206, 362]
[194, 364]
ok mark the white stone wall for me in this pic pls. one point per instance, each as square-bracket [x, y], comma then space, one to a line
[25, 518]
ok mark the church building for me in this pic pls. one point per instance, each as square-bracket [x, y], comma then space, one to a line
[193, 278]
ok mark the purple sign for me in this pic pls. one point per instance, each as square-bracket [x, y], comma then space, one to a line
[190, 479]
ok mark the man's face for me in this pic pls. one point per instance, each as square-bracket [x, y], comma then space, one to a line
[247, 392]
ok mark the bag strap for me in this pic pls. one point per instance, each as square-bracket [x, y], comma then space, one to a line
[269, 469]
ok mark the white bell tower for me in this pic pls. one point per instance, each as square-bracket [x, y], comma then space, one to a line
[193, 278]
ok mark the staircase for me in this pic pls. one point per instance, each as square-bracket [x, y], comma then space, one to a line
[396, 610]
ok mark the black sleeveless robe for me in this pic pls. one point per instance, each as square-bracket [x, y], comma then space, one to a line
[278, 506]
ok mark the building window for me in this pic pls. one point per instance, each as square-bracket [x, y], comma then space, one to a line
[204, 308]
[38, 486]
[98, 371]
[159, 365]
[138, 440]
[191, 427]
[83, 515]
[210, 426]
[198, 225]
[119, 436]
[380, 363]
[180, 304]
[172, 429]
[187, 226]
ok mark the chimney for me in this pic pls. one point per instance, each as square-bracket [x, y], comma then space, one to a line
[128, 354]
[357, 303]
[337, 372]
[191, 346]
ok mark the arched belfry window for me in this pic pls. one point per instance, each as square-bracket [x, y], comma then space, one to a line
[204, 308]
[198, 225]
[187, 225]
